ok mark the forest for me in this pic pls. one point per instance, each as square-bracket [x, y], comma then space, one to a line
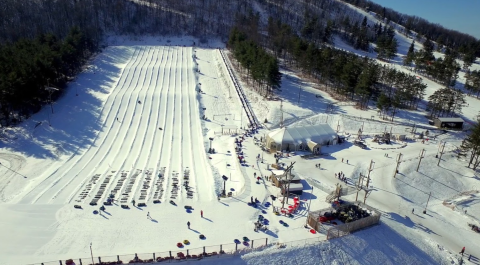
[45, 43]
[463, 43]
[29, 66]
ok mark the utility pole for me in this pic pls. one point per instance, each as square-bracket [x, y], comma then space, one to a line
[286, 185]
[420, 160]
[308, 210]
[359, 185]
[399, 159]
[91, 253]
[425, 211]
[441, 153]
[366, 193]
[370, 168]
[281, 113]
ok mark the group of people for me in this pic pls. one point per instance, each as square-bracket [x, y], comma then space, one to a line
[341, 176]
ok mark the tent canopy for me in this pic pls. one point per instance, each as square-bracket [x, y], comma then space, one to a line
[292, 137]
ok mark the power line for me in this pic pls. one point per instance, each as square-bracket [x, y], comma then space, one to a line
[12, 170]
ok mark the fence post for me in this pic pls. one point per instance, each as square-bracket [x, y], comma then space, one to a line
[60, 262]
[220, 249]
[236, 247]
[187, 251]
[80, 260]
[99, 260]
[170, 252]
[204, 250]
[118, 258]
[153, 256]
[252, 243]
[266, 241]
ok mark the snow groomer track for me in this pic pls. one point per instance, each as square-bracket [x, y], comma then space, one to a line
[150, 148]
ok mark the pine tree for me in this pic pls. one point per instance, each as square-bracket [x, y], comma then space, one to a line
[471, 146]
[410, 55]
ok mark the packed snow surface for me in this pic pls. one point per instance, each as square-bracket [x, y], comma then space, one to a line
[137, 125]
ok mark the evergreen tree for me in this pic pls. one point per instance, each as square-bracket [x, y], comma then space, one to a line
[471, 146]
[410, 55]
[383, 104]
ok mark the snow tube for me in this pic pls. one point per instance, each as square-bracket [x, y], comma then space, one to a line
[95, 212]
[180, 245]
[313, 231]
[201, 236]
[236, 241]
[186, 242]
[264, 212]
[245, 239]
[245, 243]
[281, 222]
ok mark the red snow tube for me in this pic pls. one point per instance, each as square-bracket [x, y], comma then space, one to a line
[313, 231]
[179, 245]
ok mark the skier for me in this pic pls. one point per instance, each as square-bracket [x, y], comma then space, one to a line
[201, 213]
[342, 160]
[462, 251]
[117, 118]
[139, 102]
[413, 210]
[148, 215]
[188, 224]
[335, 175]
[254, 174]
[347, 161]
[160, 128]
[133, 202]
[251, 199]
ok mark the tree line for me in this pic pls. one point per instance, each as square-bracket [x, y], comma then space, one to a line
[447, 101]
[27, 67]
[345, 74]
[262, 67]
[461, 42]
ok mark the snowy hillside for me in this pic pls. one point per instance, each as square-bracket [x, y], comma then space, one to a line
[147, 112]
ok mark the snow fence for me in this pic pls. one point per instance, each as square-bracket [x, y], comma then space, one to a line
[178, 255]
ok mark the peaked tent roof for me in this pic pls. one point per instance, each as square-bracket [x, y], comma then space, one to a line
[316, 133]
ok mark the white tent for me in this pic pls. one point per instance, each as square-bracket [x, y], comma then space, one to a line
[298, 138]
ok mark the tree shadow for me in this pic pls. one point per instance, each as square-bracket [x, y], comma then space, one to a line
[76, 120]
